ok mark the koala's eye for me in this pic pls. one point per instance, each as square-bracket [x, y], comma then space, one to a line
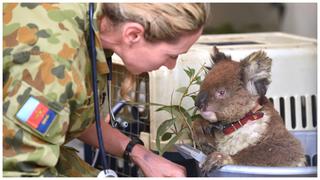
[220, 94]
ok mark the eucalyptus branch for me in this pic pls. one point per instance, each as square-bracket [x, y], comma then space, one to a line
[193, 78]
[174, 130]
[185, 94]
[194, 92]
[178, 112]
[174, 124]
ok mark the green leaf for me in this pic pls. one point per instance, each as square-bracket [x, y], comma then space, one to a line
[198, 80]
[166, 136]
[182, 90]
[194, 97]
[172, 141]
[177, 111]
[190, 72]
[164, 126]
[10, 28]
[162, 129]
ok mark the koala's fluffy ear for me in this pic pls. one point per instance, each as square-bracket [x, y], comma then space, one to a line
[217, 56]
[256, 72]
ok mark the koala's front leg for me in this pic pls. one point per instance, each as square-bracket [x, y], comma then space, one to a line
[203, 135]
[215, 160]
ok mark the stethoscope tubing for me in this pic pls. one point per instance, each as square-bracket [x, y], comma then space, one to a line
[95, 87]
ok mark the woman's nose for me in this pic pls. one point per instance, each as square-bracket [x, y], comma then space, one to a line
[170, 64]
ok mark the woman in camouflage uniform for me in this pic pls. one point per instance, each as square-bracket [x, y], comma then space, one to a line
[47, 91]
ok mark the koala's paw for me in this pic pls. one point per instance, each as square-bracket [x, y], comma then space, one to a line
[202, 131]
[215, 160]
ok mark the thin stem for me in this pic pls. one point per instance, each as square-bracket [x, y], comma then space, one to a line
[192, 93]
[185, 94]
[174, 124]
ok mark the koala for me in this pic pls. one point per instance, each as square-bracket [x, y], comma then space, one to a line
[239, 125]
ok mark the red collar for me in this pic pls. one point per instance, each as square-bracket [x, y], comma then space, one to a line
[228, 129]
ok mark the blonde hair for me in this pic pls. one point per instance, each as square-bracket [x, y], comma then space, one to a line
[128, 85]
[161, 21]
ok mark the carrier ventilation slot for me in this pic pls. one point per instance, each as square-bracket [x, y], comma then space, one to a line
[314, 110]
[311, 161]
[298, 112]
[314, 160]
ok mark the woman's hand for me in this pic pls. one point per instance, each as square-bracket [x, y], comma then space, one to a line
[115, 142]
[153, 165]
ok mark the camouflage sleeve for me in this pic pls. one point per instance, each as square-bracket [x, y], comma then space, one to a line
[28, 150]
[39, 80]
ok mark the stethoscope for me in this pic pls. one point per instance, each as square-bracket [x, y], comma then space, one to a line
[112, 111]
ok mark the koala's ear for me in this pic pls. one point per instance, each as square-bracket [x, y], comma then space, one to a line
[218, 56]
[256, 72]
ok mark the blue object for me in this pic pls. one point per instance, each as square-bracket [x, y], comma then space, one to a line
[46, 122]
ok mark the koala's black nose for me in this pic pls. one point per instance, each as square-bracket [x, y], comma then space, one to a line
[201, 99]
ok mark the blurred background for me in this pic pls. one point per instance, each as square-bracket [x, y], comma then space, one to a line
[293, 18]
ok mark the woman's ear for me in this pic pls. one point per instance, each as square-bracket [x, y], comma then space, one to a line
[132, 33]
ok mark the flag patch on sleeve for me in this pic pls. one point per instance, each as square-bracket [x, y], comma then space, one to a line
[37, 115]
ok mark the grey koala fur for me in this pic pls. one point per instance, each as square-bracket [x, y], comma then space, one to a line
[229, 91]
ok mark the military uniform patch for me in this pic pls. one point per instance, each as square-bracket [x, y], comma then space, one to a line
[37, 115]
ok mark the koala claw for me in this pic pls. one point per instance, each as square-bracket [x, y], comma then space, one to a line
[214, 161]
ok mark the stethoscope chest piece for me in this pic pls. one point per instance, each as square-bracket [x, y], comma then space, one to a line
[109, 173]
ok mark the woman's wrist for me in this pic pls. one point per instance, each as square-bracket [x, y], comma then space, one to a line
[154, 165]
[139, 154]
